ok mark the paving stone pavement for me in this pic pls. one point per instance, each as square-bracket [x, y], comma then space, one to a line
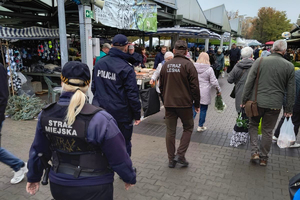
[216, 171]
[220, 126]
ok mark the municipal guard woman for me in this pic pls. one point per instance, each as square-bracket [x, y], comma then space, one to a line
[82, 141]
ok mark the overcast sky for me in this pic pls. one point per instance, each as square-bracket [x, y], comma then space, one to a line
[251, 7]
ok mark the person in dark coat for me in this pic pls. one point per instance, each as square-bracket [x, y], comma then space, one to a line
[160, 56]
[234, 57]
[239, 74]
[84, 142]
[115, 88]
[19, 167]
[136, 58]
[256, 53]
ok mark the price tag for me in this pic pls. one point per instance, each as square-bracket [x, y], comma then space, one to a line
[139, 82]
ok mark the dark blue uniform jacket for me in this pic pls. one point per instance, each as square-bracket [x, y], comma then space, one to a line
[103, 131]
[114, 87]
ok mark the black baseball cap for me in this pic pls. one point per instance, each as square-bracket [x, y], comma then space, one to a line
[120, 40]
[180, 45]
[76, 70]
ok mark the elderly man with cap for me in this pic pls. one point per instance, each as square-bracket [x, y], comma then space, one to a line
[115, 89]
[104, 51]
[136, 59]
[83, 141]
[179, 87]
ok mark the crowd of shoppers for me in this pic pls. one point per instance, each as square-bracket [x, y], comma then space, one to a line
[103, 131]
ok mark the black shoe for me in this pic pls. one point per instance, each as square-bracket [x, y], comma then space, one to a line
[181, 161]
[172, 163]
[134, 169]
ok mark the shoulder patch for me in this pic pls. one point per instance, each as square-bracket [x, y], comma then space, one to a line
[49, 106]
[89, 109]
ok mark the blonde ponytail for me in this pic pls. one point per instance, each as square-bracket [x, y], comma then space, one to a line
[77, 101]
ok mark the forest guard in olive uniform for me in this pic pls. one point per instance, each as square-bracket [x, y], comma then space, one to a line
[82, 141]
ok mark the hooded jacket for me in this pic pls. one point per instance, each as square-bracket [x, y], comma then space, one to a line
[220, 61]
[207, 79]
[3, 92]
[114, 87]
[179, 84]
[236, 77]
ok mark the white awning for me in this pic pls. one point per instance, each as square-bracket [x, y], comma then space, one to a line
[28, 33]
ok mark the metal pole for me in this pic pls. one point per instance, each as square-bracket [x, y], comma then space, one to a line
[62, 32]
[222, 40]
[85, 25]
[230, 42]
[151, 42]
[206, 44]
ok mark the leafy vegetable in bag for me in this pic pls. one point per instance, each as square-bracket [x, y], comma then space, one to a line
[220, 106]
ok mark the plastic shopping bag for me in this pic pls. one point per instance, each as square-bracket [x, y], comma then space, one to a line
[287, 134]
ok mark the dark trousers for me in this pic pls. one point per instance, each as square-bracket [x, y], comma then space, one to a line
[186, 116]
[217, 73]
[295, 120]
[269, 119]
[126, 129]
[232, 63]
[94, 192]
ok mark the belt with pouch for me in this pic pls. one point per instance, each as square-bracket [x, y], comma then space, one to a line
[69, 169]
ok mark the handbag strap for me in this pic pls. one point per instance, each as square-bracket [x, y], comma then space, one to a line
[241, 75]
[257, 77]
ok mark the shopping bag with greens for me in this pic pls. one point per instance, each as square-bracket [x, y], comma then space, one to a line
[240, 130]
[220, 106]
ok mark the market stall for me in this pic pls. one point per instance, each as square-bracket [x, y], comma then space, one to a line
[34, 51]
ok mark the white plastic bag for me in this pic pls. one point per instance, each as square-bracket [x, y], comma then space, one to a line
[287, 134]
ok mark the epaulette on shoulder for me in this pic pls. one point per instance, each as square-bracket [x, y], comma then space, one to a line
[89, 109]
[49, 106]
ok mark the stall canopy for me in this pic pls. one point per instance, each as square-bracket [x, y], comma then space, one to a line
[188, 32]
[269, 43]
[254, 44]
[28, 33]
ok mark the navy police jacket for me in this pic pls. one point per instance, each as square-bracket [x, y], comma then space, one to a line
[114, 87]
[103, 131]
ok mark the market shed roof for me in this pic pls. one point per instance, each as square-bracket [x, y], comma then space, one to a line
[218, 16]
[187, 32]
[236, 26]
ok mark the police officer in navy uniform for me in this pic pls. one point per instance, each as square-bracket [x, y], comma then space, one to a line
[115, 88]
[83, 142]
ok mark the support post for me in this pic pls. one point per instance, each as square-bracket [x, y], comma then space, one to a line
[150, 42]
[222, 41]
[206, 44]
[159, 40]
[85, 25]
[62, 32]
[230, 43]
[174, 38]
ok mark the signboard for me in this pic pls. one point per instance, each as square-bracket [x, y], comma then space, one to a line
[88, 14]
[286, 34]
[147, 17]
[127, 14]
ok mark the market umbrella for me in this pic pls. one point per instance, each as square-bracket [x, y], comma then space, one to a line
[269, 43]
[254, 44]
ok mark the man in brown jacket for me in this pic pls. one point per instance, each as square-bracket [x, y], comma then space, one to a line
[179, 87]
